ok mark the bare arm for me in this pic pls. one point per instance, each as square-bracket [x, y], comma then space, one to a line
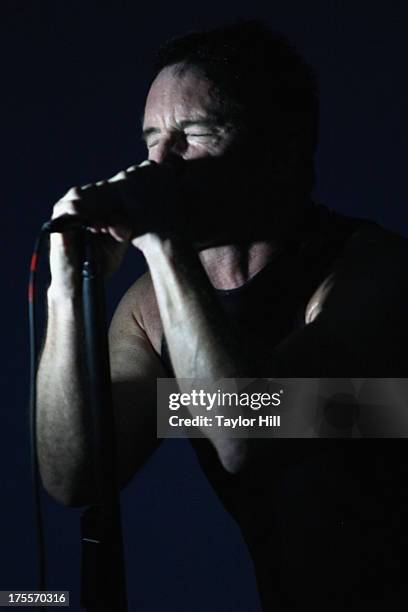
[359, 325]
[64, 426]
[200, 342]
[63, 420]
[354, 315]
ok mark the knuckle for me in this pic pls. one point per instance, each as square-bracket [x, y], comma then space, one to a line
[86, 188]
[64, 207]
[120, 176]
[72, 194]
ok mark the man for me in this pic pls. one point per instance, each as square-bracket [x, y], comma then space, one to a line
[247, 277]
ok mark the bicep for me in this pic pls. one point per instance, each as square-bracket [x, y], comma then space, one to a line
[135, 368]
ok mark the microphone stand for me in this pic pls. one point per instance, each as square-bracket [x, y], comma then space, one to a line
[103, 583]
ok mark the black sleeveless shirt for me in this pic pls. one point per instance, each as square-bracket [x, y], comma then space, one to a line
[312, 511]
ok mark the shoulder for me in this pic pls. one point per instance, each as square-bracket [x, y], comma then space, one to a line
[356, 240]
[138, 311]
[363, 301]
[370, 239]
[364, 256]
[372, 262]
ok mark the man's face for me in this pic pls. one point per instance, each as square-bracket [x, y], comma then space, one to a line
[183, 118]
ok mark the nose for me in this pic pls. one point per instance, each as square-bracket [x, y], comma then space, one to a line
[168, 148]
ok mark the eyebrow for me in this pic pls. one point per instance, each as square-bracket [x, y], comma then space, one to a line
[210, 122]
[148, 132]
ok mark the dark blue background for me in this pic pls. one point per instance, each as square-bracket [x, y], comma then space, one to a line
[74, 77]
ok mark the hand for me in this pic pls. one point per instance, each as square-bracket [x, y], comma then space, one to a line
[105, 217]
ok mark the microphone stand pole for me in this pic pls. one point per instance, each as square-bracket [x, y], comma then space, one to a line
[103, 583]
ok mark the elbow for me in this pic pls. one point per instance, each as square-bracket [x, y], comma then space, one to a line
[67, 494]
[68, 499]
[70, 482]
[233, 455]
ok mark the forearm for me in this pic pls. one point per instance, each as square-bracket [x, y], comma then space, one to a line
[200, 343]
[63, 420]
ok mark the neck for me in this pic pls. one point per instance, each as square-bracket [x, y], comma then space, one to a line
[231, 266]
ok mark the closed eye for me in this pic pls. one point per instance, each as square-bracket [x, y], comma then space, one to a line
[206, 135]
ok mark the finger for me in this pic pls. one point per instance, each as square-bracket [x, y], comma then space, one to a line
[146, 162]
[86, 189]
[62, 208]
[120, 176]
[65, 207]
[72, 194]
[119, 233]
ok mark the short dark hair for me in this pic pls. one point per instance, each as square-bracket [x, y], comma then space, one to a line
[255, 70]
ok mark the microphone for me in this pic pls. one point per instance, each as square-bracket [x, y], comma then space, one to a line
[64, 223]
[159, 197]
[133, 194]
